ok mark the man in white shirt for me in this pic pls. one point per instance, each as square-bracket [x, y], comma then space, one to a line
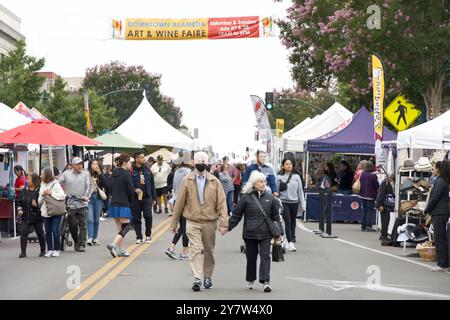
[161, 171]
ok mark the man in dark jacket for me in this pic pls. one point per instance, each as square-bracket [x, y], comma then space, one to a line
[261, 166]
[143, 196]
[385, 203]
[438, 207]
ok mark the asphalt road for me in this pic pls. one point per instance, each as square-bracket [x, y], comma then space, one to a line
[353, 267]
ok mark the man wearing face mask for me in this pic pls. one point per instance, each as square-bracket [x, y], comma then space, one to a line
[202, 201]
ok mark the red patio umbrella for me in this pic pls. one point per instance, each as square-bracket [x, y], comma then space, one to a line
[47, 133]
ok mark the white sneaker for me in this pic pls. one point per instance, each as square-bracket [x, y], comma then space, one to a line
[56, 254]
[49, 254]
[103, 219]
[89, 242]
[438, 269]
[292, 247]
[285, 246]
[251, 285]
[96, 242]
[139, 241]
[148, 240]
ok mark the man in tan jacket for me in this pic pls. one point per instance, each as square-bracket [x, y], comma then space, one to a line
[201, 200]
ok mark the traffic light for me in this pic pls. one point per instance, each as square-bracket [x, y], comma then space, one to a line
[269, 100]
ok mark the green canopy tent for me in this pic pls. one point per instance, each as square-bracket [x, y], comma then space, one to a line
[116, 142]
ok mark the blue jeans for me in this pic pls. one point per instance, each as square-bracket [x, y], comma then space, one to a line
[52, 235]
[368, 207]
[230, 201]
[93, 217]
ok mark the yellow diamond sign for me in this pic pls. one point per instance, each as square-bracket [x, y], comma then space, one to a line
[401, 113]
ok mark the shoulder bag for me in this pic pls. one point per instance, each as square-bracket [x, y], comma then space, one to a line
[54, 207]
[275, 227]
[284, 185]
[356, 187]
[101, 192]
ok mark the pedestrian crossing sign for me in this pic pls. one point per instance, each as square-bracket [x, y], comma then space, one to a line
[401, 113]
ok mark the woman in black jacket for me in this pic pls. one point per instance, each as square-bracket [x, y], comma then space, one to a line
[28, 209]
[256, 233]
[438, 208]
[122, 192]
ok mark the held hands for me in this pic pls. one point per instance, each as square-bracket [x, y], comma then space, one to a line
[138, 191]
[223, 230]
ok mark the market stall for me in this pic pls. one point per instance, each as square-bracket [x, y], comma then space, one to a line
[43, 132]
[420, 147]
[356, 138]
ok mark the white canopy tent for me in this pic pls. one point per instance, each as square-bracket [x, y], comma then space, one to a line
[299, 127]
[10, 119]
[433, 134]
[320, 125]
[147, 127]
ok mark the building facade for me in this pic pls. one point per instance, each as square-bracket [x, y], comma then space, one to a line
[9, 31]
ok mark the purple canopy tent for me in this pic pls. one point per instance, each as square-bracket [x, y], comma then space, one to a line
[356, 138]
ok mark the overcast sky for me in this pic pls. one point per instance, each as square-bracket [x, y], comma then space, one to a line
[211, 80]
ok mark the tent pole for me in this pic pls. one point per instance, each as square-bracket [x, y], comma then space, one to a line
[112, 159]
[306, 176]
[40, 158]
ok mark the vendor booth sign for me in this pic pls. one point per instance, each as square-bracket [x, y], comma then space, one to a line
[195, 28]
[401, 113]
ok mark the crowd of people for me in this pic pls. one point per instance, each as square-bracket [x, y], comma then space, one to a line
[202, 197]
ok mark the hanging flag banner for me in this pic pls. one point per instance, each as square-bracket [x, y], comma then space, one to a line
[378, 102]
[190, 29]
[86, 112]
[262, 120]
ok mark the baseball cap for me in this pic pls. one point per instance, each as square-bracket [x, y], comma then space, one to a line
[183, 157]
[77, 160]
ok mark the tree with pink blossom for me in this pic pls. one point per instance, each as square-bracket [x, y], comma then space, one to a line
[330, 40]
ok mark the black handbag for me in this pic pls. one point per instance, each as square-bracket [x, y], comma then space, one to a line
[277, 252]
[275, 227]
[284, 185]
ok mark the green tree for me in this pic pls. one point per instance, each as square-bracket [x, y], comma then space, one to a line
[330, 40]
[18, 81]
[68, 111]
[118, 76]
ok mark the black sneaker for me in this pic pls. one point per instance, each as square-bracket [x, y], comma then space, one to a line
[22, 255]
[166, 210]
[155, 209]
[82, 249]
[160, 211]
[42, 254]
[207, 284]
[266, 287]
[294, 240]
[197, 285]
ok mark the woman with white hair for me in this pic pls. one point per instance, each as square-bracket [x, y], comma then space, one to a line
[256, 233]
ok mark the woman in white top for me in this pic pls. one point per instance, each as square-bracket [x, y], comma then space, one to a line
[50, 186]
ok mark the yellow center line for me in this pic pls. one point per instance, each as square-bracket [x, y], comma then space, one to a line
[105, 268]
[114, 273]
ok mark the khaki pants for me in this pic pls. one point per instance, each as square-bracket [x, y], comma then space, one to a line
[201, 235]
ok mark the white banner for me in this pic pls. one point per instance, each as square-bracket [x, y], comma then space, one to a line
[262, 121]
